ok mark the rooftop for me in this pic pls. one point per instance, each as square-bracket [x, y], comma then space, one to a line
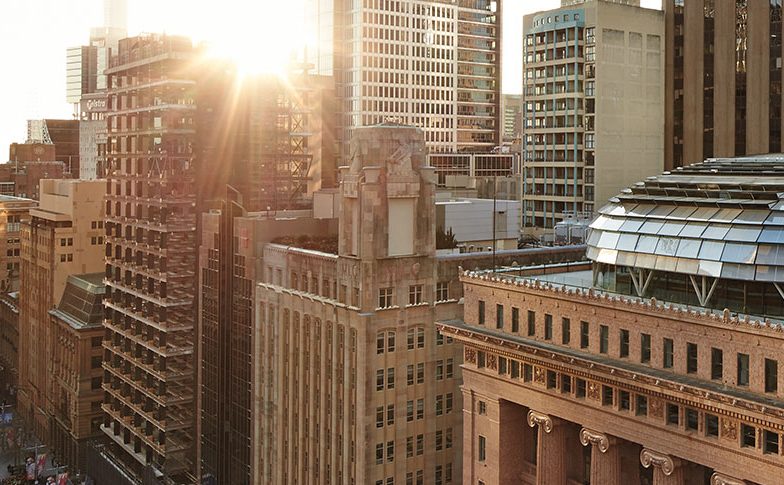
[720, 218]
[575, 279]
[82, 303]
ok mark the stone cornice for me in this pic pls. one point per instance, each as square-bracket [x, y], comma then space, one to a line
[648, 306]
[610, 374]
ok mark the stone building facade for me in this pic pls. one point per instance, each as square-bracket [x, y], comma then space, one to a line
[77, 372]
[581, 374]
[64, 236]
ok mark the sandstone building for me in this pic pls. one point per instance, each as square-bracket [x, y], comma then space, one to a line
[63, 236]
[655, 362]
[319, 359]
[77, 372]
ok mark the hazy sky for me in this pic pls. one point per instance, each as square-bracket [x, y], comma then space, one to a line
[34, 35]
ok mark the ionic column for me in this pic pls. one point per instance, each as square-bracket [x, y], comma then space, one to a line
[722, 479]
[666, 469]
[605, 457]
[551, 450]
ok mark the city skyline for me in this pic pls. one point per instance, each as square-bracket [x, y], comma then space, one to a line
[60, 24]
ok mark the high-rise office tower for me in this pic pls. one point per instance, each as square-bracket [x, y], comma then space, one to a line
[150, 255]
[724, 79]
[593, 87]
[434, 65]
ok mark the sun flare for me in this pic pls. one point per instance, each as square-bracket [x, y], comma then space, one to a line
[259, 37]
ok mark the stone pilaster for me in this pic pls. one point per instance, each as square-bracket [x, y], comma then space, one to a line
[721, 479]
[666, 469]
[605, 457]
[551, 466]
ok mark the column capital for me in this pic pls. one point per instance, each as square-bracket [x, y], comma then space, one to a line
[536, 418]
[722, 479]
[595, 438]
[665, 462]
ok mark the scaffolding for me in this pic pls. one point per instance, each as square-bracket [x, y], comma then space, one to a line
[150, 254]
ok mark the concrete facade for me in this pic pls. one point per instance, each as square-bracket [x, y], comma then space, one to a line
[593, 87]
[63, 236]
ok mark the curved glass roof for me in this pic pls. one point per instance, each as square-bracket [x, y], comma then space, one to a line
[722, 218]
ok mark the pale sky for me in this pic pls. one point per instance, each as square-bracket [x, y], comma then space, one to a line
[34, 35]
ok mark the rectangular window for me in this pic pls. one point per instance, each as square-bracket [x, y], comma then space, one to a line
[450, 368]
[380, 379]
[420, 373]
[771, 442]
[673, 414]
[580, 388]
[503, 365]
[711, 425]
[748, 436]
[607, 396]
[566, 331]
[624, 343]
[409, 410]
[624, 400]
[743, 369]
[384, 297]
[771, 375]
[584, 335]
[420, 444]
[548, 326]
[514, 367]
[380, 417]
[380, 343]
[645, 348]
[528, 372]
[692, 418]
[409, 454]
[531, 323]
[691, 358]
[499, 316]
[482, 448]
[391, 378]
[439, 370]
[442, 291]
[379, 453]
[390, 414]
[390, 451]
[481, 312]
[410, 375]
[421, 338]
[566, 384]
[667, 353]
[480, 359]
[415, 294]
[717, 364]
[391, 341]
[420, 412]
[641, 406]
[515, 319]
[604, 339]
[552, 379]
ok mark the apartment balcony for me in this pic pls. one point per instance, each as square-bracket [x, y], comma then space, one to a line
[176, 393]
